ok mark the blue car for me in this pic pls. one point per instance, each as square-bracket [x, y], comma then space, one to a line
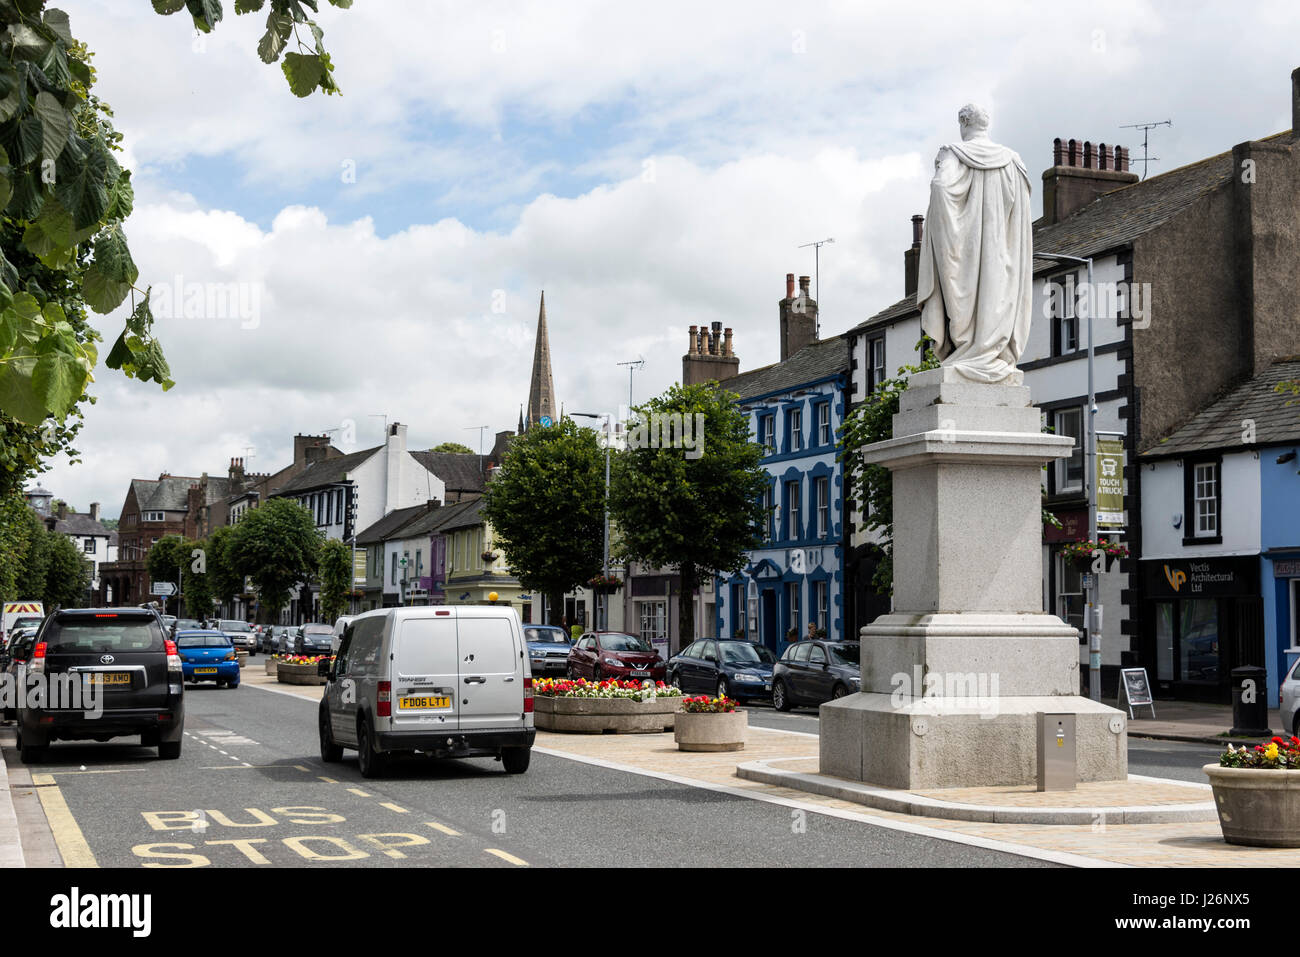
[208, 656]
[548, 649]
[727, 667]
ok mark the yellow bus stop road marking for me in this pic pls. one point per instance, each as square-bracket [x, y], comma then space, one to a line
[444, 828]
[358, 792]
[393, 807]
[67, 833]
[505, 857]
[41, 780]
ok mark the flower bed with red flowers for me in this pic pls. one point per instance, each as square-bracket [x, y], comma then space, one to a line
[1277, 754]
[611, 688]
[706, 705]
[301, 659]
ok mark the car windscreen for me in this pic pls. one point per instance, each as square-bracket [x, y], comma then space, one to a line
[236, 626]
[103, 633]
[317, 630]
[746, 653]
[555, 635]
[27, 623]
[624, 643]
[844, 654]
[202, 641]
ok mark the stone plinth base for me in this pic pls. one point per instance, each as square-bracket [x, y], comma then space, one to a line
[605, 715]
[962, 742]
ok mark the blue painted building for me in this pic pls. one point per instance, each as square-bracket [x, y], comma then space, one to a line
[1221, 526]
[795, 408]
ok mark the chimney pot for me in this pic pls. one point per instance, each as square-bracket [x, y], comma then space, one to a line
[1058, 153]
[1103, 157]
[1072, 153]
[918, 223]
[789, 285]
[1089, 161]
[726, 341]
[694, 343]
[803, 284]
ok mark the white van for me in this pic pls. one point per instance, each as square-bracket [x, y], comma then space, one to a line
[451, 681]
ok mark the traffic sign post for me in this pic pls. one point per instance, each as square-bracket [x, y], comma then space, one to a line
[163, 589]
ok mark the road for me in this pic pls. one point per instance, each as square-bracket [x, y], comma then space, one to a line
[250, 788]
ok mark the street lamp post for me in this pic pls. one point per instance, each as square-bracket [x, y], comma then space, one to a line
[604, 605]
[1090, 477]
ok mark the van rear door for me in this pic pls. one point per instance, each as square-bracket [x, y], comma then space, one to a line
[491, 673]
[424, 674]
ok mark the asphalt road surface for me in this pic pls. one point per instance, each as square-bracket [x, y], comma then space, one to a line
[250, 789]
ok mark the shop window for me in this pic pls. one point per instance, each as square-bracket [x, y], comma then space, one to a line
[1165, 641]
[1198, 645]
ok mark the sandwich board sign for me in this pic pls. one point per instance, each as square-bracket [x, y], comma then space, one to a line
[1137, 689]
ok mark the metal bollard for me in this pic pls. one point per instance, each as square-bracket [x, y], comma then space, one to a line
[1250, 702]
[1058, 766]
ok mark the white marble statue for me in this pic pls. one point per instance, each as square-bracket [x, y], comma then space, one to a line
[976, 272]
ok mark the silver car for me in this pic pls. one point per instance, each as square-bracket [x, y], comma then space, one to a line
[240, 633]
[1289, 698]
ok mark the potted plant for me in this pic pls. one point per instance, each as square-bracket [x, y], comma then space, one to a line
[1257, 793]
[598, 707]
[300, 669]
[710, 724]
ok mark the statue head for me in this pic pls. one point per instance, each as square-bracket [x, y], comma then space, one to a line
[973, 120]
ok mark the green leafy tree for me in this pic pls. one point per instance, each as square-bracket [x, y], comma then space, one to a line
[20, 528]
[546, 507]
[335, 578]
[277, 545]
[225, 583]
[67, 573]
[164, 562]
[453, 447]
[698, 515]
[197, 587]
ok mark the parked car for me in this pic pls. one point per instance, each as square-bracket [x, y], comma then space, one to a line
[240, 632]
[314, 638]
[282, 639]
[337, 636]
[18, 652]
[30, 623]
[447, 681]
[810, 672]
[548, 649]
[124, 651]
[726, 667]
[1289, 698]
[186, 624]
[611, 654]
[208, 655]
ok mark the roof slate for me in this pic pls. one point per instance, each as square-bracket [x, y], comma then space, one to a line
[816, 361]
[325, 472]
[1219, 425]
[458, 470]
[382, 530]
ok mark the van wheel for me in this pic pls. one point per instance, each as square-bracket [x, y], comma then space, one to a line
[515, 760]
[371, 763]
[330, 752]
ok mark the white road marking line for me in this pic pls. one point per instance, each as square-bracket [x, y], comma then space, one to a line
[1021, 850]
[802, 734]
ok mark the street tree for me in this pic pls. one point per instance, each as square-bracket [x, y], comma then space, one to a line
[172, 559]
[456, 447]
[697, 510]
[546, 506]
[21, 573]
[224, 582]
[164, 561]
[277, 545]
[67, 572]
[335, 578]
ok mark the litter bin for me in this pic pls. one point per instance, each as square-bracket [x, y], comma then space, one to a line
[1250, 702]
[1058, 767]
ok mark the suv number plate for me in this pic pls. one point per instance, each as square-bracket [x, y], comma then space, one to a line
[109, 677]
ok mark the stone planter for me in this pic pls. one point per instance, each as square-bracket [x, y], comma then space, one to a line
[1257, 806]
[298, 674]
[702, 731]
[242, 657]
[271, 666]
[605, 715]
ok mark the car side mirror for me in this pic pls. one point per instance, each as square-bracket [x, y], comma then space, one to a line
[711, 658]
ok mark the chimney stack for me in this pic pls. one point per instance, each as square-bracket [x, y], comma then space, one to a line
[61, 509]
[709, 357]
[94, 511]
[1295, 101]
[798, 317]
[1080, 173]
[912, 257]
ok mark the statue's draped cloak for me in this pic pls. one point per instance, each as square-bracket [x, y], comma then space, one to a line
[975, 283]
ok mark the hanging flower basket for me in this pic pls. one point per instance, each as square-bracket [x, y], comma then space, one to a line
[605, 585]
[490, 556]
[1081, 553]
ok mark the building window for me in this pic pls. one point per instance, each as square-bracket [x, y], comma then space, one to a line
[821, 593]
[794, 430]
[792, 606]
[1203, 502]
[767, 433]
[823, 423]
[821, 488]
[393, 578]
[875, 363]
[155, 517]
[769, 514]
[792, 495]
[1069, 472]
[1065, 319]
[89, 546]
[653, 616]
[1069, 593]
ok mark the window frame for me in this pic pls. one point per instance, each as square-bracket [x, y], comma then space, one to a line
[1060, 482]
[876, 374]
[1191, 520]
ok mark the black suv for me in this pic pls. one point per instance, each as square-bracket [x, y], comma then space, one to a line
[140, 681]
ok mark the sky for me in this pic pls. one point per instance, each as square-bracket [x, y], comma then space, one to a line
[331, 263]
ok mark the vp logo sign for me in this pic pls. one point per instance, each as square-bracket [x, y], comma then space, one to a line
[1175, 578]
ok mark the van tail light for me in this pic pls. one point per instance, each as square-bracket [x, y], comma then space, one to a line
[528, 695]
[36, 665]
[384, 700]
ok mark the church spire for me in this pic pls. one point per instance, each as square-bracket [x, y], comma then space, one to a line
[541, 391]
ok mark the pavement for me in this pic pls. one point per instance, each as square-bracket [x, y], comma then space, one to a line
[1191, 721]
[1103, 839]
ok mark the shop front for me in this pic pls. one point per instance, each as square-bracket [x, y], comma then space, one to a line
[1202, 617]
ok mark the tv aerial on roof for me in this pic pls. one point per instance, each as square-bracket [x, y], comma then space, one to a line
[1146, 129]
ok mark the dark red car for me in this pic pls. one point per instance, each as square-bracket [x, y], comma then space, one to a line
[612, 654]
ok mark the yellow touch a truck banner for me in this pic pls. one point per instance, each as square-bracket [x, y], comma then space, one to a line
[1110, 483]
